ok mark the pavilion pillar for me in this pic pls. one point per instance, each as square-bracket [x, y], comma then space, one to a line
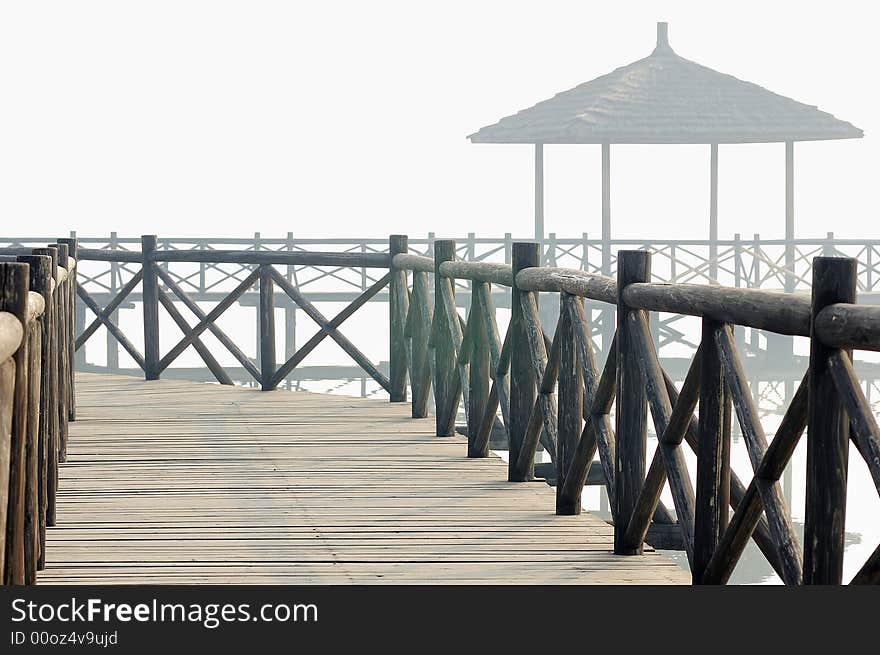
[608, 315]
[713, 213]
[606, 209]
[789, 217]
[539, 193]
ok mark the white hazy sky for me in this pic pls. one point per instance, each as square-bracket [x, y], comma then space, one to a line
[349, 118]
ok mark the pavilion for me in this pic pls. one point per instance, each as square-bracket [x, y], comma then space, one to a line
[666, 99]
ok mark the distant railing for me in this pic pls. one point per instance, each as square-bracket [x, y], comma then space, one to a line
[757, 262]
[159, 287]
[37, 299]
[467, 363]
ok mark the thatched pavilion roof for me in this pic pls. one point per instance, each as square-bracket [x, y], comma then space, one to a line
[665, 98]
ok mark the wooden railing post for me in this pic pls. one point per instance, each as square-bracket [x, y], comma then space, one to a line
[632, 405]
[479, 375]
[72, 251]
[713, 453]
[51, 384]
[267, 328]
[14, 286]
[151, 308]
[398, 304]
[522, 382]
[571, 395]
[445, 370]
[37, 447]
[834, 281]
[62, 303]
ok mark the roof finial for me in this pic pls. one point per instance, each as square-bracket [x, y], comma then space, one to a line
[662, 38]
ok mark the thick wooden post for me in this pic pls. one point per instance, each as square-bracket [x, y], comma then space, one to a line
[834, 281]
[72, 251]
[62, 303]
[571, 394]
[444, 349]
[50, 383]
[713, 453]
[151, 308]
[478, 381]
[397, 308]
[522, 381]
[37, 456]
[14, 286]
[632, 405]
[267, 328]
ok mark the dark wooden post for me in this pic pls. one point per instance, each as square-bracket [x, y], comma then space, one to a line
[267, 328]
[50, 382]
[62, 320]
[41, 282]
[834, 281]
[478, 380]
[522, 382]
[713, 453]
[14, 286]
[632, 405]
[398, 304]
[571, 394]
[151, 308]
[444, 349]
[72, 251]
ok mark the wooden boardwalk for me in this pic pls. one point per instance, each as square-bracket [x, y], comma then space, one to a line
[183, 482]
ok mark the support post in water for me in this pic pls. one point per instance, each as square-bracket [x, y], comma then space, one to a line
[397, 307]
[522, 382]
[632, 404]
[151, 308]
[834, 281]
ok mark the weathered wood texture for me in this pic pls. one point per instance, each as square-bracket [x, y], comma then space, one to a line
[522, 381]
[447, 384]
[14, 286]
[398, 306]
[162, 486]
[834, 281]
[632, 406]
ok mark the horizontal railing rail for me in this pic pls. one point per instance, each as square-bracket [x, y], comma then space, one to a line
[37, 400]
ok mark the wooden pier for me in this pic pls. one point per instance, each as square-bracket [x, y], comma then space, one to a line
[120, 480]
[185, 482]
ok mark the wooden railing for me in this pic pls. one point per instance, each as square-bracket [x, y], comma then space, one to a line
[159, 287]
[37, 301]
[551, 392]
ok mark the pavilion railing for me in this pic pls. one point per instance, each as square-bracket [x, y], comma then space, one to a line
[37, 400]
[552, 393]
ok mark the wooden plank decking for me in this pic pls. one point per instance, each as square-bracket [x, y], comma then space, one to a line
[183, 482]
